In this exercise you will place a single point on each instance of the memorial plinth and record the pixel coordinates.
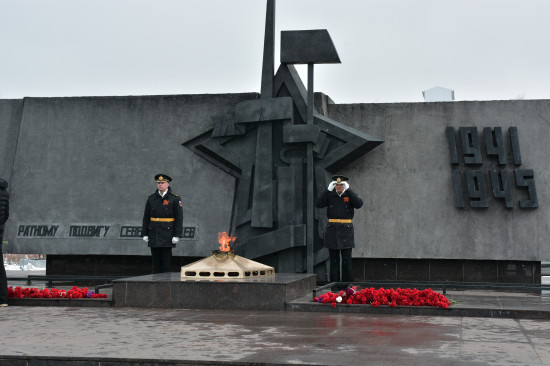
(169, 290)
(225, 264)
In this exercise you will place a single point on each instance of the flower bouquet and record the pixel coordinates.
(73, 293)
(382, 296)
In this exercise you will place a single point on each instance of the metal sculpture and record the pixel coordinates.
(282, 151)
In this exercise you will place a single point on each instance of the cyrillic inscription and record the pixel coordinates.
(37, 231)
(88, 231)
(130, 231)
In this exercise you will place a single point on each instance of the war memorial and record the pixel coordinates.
(453, 191)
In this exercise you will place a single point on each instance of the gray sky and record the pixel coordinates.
(391, 50)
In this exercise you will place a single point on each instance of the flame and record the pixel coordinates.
(224, 241)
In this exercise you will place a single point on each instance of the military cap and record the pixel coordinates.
(162, 178)
(339, 179)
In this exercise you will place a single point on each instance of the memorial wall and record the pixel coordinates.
(426, 197)
(84, 168)
(456, 186)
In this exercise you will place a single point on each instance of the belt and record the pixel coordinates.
(170, 219)
(341, 221)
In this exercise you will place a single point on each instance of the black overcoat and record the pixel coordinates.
(4, 205)
(161, 233)
(339, 235)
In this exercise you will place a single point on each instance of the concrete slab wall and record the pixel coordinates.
(83, 168)
(10, 118)
(410, 209)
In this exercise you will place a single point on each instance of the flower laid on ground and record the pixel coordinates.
(389, 297)
(73, 293)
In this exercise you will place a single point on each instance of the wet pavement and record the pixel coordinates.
(109, 335)
(267, 337)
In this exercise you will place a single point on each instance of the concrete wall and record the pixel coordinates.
(10, 117)
(89, 162)
(410, 209)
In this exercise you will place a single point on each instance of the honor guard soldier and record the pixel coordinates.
(341, 202)
(162, 223)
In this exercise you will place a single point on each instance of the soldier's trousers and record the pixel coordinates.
(347, 269)
(3, 279)
(162, 259)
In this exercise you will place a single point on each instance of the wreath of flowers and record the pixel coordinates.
(73, 293)
(389, 297)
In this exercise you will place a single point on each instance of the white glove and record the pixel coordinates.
(175, 240)
(331, 185)
(146, 239)
(346, 186)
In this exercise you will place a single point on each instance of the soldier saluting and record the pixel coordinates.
(162, 223)
(340, 201)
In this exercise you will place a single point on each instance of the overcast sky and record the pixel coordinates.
(391, 50)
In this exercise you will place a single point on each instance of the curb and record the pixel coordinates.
(60, 302)
(420, 311)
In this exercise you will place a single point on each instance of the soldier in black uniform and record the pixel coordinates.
(340, 201)
(162, 223)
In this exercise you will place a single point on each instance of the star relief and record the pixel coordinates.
(281, 150)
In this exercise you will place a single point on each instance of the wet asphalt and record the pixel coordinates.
(267, 337)
(149, 336)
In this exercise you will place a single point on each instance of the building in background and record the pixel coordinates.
(438, 94)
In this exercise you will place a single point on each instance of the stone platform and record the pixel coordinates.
(169, 290)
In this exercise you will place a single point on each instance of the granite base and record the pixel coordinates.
(169, 290)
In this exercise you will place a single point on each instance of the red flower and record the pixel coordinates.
(390, 297)
(73, 293)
